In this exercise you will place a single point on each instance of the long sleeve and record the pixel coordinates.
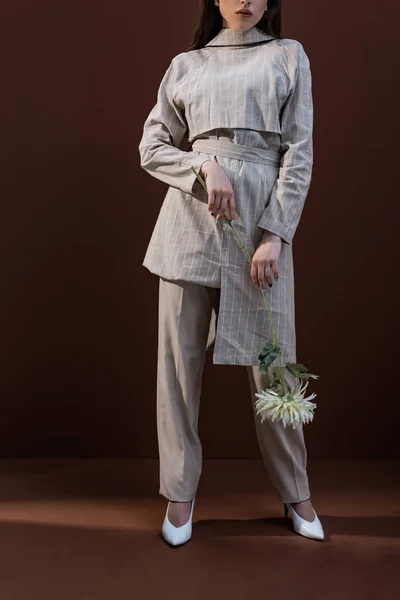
(163, 132)
(282, 215)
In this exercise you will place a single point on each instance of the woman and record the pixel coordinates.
(242, 96)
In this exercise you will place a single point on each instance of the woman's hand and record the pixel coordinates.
(219, 188)
(265, 260)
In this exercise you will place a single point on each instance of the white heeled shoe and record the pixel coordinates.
(311, 529)
(177, 535)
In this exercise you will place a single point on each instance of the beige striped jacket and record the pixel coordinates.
(248, 89)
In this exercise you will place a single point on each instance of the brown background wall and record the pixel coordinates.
(78, 311)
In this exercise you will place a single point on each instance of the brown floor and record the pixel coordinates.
(90, 530)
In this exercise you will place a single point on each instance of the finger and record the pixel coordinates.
(232, 208)
(275, 269)
(261, 276)
(215, 206)
(253, 274)
(211, 200)
(223, 207)
(267, 274)
(220, 212)
(217, 203)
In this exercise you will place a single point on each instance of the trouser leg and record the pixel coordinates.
(283, 450)
(184, 317)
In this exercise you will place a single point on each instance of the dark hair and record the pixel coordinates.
(210, 22)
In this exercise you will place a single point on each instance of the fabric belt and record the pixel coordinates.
(238, 151)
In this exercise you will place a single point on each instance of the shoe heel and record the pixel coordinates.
(286, 510)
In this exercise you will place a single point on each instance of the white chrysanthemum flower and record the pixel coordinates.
(292, 408)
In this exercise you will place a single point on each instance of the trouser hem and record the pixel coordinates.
(173, 498)
(293, 500)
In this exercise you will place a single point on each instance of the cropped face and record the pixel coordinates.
(253, 10)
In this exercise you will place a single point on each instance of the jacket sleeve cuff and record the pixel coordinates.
(273, 219)
(192, 182)
(283, 237)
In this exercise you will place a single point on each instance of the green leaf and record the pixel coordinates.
(269, 352)
(300, 371)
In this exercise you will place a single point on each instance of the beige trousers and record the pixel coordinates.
(184, 317)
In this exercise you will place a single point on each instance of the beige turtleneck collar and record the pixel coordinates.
(239, 37)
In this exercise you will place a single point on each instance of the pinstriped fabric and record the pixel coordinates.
(248, 89)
